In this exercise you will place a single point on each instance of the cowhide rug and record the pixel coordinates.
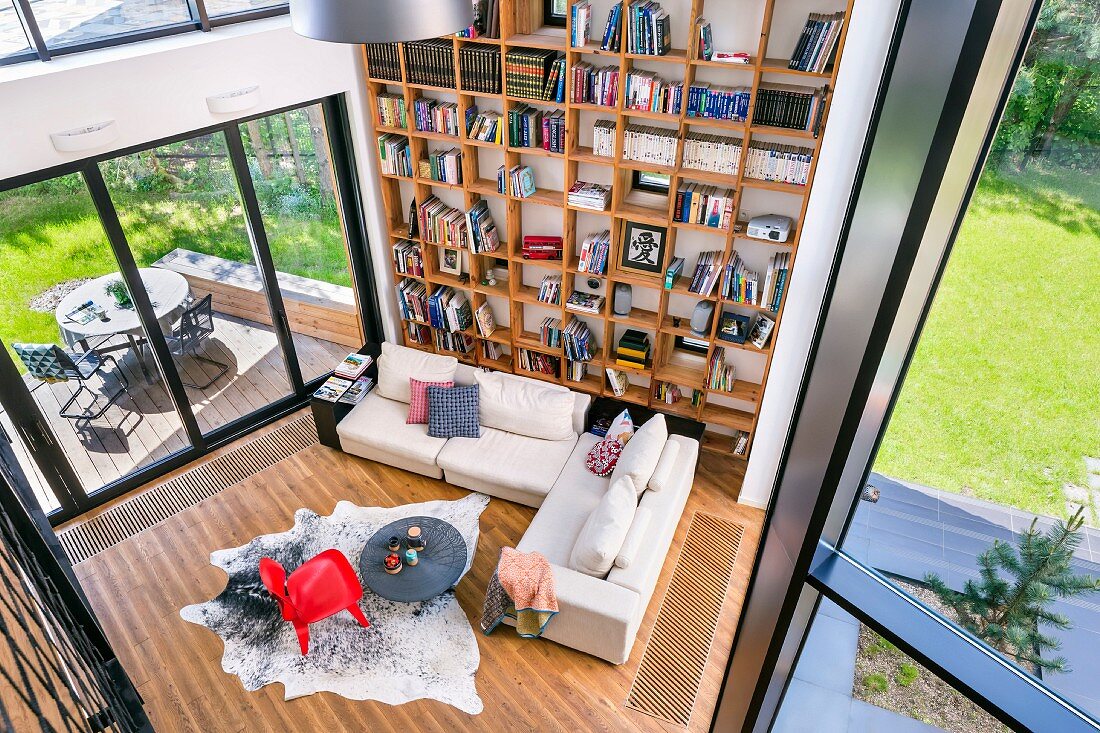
(411, 650)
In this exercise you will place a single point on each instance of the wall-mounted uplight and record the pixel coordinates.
(379, 21)
(84, 138)
(237, 100)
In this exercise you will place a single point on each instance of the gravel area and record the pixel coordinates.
(880, 666)
(47, 300)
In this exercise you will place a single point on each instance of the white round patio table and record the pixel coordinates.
(168, 291)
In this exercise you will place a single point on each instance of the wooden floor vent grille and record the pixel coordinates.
(671, 671)
(82, 541)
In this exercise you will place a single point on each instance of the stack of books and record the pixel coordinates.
(479, 66)
(353, 366)
(441, 224)
(739, 283)
(460, 343)
(433, 116)
(581, 23)
(482, 229)
(550, 332)
(789, 107)
(577, 340)
(595, 84)
(550, 290)
(412, 296)
(585, 195)
(603, 138)
(612, 32)
(650, 93)
(817, 44)
(383, 61)
(535, 73)
(718, 102)
(702, 204)
(449, 310)
(486, 126)
(720, 375)
(740, 443)
(594, 251)
(781, 163)
(407, 258)
(393, 153)
(712, 153)
(391, 110)
(775, 281)
(633, 349)
(431, 63)
(486, 323)
(581, 302)
(444, 165)
(646, 144)
(534, 361)
(648, 29)
(708, 268)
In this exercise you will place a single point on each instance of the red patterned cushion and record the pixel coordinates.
(604, 455)
(418, 400)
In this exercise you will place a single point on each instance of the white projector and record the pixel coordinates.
(773, 227)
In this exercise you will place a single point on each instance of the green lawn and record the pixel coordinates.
(1002, 400)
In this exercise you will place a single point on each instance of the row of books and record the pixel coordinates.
(582, 302)
(550, 332)
(789, 107)
(430, 62)
(603, 138)
(484, 236)
(708, 270)
(648, 28)
(780, 163)
(617, 381)
(675, 267)
(670, 394)
(458, 343)
(341, 389)
(714, 153)
(412, 297)
(577, 342)
(817, 44)
(650, 93)
(529, 127)
(408, 259)
(480, 68)
(534, 73)
(431, 115)
(595, 84)
(534, 361)
(441, 224)
(418, 333)
(393, 154)
(553, 132)
(383, 61)
(550, 290)
(491, 350)
(594, 252)
(718, 102)
(720, 375)
(486, 126)
(742, 285)
(740, 443)
(646, 144)
(443, 165)
(575, 370)
(633, 349)
(706, 205)
(518, 181)
(449, 309)
(391, 110)
(593, 196)
(486, 20)
(581, 23)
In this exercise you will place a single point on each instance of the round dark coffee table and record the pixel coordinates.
(441, 563)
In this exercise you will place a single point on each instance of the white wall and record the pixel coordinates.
(158, 88)
(856, 86)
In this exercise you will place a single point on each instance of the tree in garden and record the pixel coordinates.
(1009, 604)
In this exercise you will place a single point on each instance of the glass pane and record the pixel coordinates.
(288, 155)
(225, 7)
(54, 259)
(996, 423)
(182, 214)
(13, 38)
(67, 23)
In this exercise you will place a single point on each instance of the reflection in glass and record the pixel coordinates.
(13, 37)
(225, 7)
(65, 23)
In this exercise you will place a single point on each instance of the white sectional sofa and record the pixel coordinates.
(604, 580)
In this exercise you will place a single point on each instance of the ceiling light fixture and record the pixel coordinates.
(84, 138)
(379, 21)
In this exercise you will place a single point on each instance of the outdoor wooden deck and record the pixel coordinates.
(143, 427)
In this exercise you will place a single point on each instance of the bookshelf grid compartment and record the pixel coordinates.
(517, 298)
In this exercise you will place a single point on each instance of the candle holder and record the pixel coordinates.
(392, 563)
(394, 544)
(414, 538)
(411, 557)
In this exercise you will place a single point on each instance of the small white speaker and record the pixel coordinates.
(620, 304)
(701, 317)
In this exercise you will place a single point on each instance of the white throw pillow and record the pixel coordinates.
(525, 406)
(662, 475)
(641, 454)
(604, 531)
(398, 363)
(633, 542)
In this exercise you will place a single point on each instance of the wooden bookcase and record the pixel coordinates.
(513, 299)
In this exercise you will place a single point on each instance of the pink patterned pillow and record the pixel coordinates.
(418, 400)
(604, 455)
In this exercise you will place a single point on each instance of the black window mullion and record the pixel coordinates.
(197, 8)
(30, 25)
(261, 251)
(128, 268)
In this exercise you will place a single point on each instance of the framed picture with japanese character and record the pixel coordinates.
(642, 249)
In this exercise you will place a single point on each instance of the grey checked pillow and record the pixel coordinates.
(453, 412)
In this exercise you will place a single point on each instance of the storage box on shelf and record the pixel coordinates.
(717, 152)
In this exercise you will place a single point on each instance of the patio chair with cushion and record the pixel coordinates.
(51, 363)
(189, 336)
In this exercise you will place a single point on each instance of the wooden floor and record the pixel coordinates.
(138, 587)
(144, 427)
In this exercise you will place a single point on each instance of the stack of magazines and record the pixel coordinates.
(592, 196)
(348, 391)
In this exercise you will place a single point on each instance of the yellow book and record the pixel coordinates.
(627, 351)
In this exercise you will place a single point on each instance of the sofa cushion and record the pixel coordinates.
(622, 428)
(641, 454)
(605, 530)
(453, 412)
(601, 460)
(525, 407)
(380, 423)
(500, 458)
(398, 363)
(418, 399)
(632, 545)
(663, 473)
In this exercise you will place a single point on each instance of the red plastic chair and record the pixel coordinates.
(320, 588)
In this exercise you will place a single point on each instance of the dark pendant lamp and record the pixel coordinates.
(379, 21)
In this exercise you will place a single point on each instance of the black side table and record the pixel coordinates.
(441, 561)
(328, 414)
(609, 407)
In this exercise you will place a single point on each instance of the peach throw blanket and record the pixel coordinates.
(522, 588)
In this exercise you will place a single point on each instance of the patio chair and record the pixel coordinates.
(190, 334)
(51, 363)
